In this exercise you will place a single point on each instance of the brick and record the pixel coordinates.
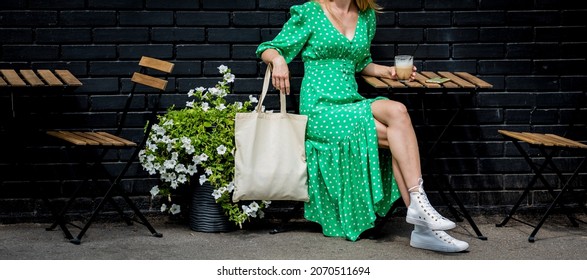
(116, 4)
(573, 83)
(450, 5)
(16, 35)
(505, 67)
(532, 50)
(540, 83)
(559, 33)
(400, 5)
(28, 18)
(187, 68)
(450, 65)
(30, 52)
(238, 68)
(229, 35)
(385, 19)
(211, 51)
(172, 4)
(452, 35)
(116, 68)
(533, 18)
(506, 34)
(98, 85)
(57, 4)
(121, 35)
(561, 67)
(572, 50)
(215, 19)
(258, 19)
(232, 5)
(88, 52)
(177, 35)
(63, 35)
(161, 51)
(505, 100)
(15, 4)
(506, 5)
(87, 18)
(478, 51)
(568, 99)
(424, 19)
(573, 17)
(478, 18)
(278, 4)
(399, 35)
(78, 68)
(132, 18)
(244, 51)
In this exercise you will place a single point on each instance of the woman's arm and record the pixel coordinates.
(280, 70)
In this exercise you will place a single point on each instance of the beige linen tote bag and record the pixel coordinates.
(270, 155)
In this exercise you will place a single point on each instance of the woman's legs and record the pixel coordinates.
(395, 130)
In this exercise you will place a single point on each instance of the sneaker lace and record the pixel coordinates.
(426, 203)
(444, 236)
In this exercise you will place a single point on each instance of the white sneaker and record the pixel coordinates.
(436, 240)
(420, 212)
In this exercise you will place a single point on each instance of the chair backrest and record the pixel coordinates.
(141, 77)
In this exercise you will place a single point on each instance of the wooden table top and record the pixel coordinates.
(458, 81)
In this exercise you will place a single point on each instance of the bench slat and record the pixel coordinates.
(374, 82)
(156, 64)
(422, 80)
(149, 81)
(116, 138)
(393, 83)
(68, 78)
(49, 77)
(3, 83)
(12, 78)
(431, 75)
(31, 78)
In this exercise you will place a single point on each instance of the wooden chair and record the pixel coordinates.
(100, 142)
(549, 146)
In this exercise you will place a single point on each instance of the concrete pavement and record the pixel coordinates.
(557, 240)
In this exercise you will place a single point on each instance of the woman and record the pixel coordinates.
(350, 181)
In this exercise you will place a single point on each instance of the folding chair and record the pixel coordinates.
(549, 145)
(100, 143)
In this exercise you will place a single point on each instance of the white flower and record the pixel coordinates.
(253, 99)
(208, 171)
(204, 157)
(230, 187)
(229, 77)
(203, 179)
(221, 149)
(239, 105)
(174, 184)
(154, 191)
(223, 190)
(170, 163)
(216, 194)
(222, 69)
(163, 207)
(221, 107)
(254, 206)
(267, 203)
(205, 106)
(191, 93)
(189, 104)
(200, 89)
(168, 123)
(175, 209)
(180, 168)
(214, 91)
(192, 169)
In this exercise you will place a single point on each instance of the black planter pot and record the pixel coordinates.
(205, 214)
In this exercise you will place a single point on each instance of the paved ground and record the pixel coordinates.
(557, 240)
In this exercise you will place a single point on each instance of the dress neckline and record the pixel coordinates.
(336, 29)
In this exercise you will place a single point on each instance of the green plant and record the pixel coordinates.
(199, 140)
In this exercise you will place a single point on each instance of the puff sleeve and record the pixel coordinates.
(292, 37)
(366, 55)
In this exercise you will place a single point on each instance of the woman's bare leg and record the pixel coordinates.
(395, 130)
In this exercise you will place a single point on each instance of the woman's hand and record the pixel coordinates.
(280, 75)
(393, 74)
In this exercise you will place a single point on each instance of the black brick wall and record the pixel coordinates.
(532, 51)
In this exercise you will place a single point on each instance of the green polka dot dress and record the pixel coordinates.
(350, 180)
